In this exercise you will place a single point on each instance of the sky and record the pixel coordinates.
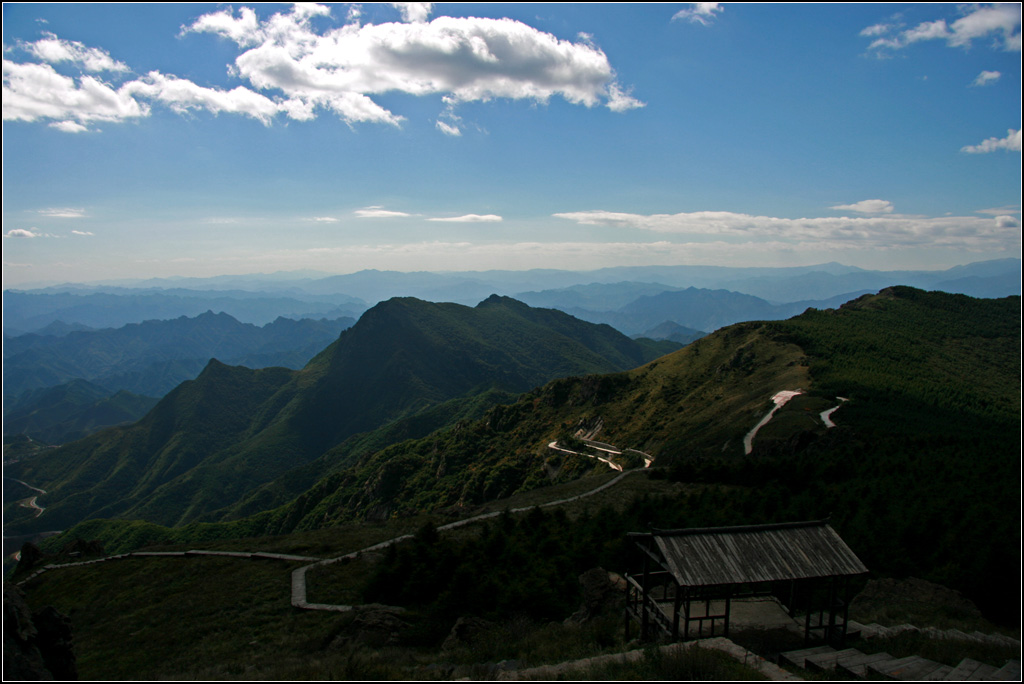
(144, 140)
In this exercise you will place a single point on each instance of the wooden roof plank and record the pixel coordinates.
(755, 553)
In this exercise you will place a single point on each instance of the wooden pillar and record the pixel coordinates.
(675, 613)
(846, 607)
(728, 610)
(810, 609)
(686, 608)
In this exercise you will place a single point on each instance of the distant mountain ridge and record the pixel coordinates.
(260, 298)
(211, 441)
(152, 357)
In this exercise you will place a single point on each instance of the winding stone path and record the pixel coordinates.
(299, 585)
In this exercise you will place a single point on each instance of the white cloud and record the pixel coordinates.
(470, 218)
(323, 219)
(861, 232)
(465, 59)
(297, 70)
(877, 30)
(929, 30)
(449, 129)
(986, 77)
(53, 50)
(999, 211)
(182, 95)
(379, 212)
(699, 12)
(69, 127)
(1000, 23)
(414, 11)
(62, 213)
(1011, 143)
(82, 232)
(20, 233)
(36, 91)
(872, 206)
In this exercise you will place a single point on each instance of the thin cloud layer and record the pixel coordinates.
(470, 218)
(53, 50)
(379, 212)
(999, 24)
(297, 71)
(970, 233)
(871, 206)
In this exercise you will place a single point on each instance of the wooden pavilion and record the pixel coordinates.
(690, 577)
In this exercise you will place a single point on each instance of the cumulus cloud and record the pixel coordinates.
(1011, 143)
(414, 11)
(379, 212)
(871, 206)
(296, 70)
(998, 23)
(470, 218)
(699, 13)
(465, 59)
(986, 77)
(20, 233)
(862, 232)
(82, 232)
(182, 96)
(37, 91)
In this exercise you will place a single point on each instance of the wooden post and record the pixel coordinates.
(643, 602)
(830, 636)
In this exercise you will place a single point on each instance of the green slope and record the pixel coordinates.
(921, 474)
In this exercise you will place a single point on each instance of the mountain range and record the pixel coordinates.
(212, 441)
(261, 298)
(917, 463)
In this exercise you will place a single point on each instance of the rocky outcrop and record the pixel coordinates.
(603, 592)
(36, 645)
(465, 631)
(374, 625)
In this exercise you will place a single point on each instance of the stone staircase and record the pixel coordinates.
(855, 664)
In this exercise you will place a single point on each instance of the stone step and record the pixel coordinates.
(798, 658)
(967, 669)
(939, 674)
(1009, 672)
(856, 666)
(905, 669)
(826, 662)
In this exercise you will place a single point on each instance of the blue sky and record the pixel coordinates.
(206, 139)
